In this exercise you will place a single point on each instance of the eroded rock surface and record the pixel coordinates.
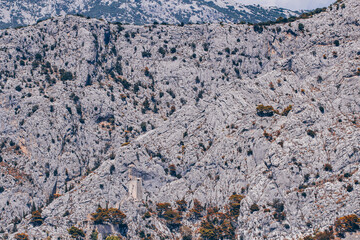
(83, 101)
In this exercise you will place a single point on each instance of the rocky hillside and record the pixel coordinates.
(213, 131)
(19, 13)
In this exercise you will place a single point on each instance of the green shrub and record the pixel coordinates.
(18, 88)
(254, 208)
(328, 167)
(36, 219)
(311, 133)
(162, 51)
(94, 235)
(21, 236)
(197, 210)
(112, 169)
(147, 215)
(171, 93)
(76, 232)
(217, 226)
(143, 126)
(146, 54)
(265, 111)
(286, 111)
(234, 205)
(111, 215)
(349, 223)
(112, 238)
(301, 27)
(206, 46)
(162, 207)
(182, 205)
(34, 108)
(173, 218)
(172, 170)
(66, 76)
(258, 28)
(349, 188)
(279, 213)
(35, 64)
(326, 235)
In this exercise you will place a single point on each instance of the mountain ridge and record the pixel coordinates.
(13, 13)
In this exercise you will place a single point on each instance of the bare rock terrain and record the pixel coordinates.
(199, 113)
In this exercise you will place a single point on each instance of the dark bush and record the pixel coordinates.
(161, 208)
(234, 205)
(197, 210)
(349, 188)
(18, 88)
(171, 93)
(34, 108)
(107, 37)
(36, 219)
(125, 83)
(38, 57)
(258, 28)
(326, 235)
(172, 170)
(349, 223)
(311, 133)
(328, 167)
(111, 215)
(112, 169)
(182, 205)
(265, 111)
(254, 207)
(66, 76)
(301, 27)
(143, 126)
(21, 236)
(146, 53)
(35, 64)
(162, 51)
(206, 46)
(76, 232)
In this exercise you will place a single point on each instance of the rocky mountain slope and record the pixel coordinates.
(233, 131)
(19, 13)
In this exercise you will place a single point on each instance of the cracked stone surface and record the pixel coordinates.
(82, 100)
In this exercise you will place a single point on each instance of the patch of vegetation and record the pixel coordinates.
(21, 236)
(311, 133)
(36, 219)
(328, 167)
(111, 215)
(269, 111)
(65, 76)
(76, 232)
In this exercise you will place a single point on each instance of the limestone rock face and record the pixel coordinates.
(187, 110)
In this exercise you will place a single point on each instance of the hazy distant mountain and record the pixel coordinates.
(15, 13)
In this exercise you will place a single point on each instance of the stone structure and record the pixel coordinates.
(135, 185)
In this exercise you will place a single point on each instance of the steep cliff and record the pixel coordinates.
(259, 121)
